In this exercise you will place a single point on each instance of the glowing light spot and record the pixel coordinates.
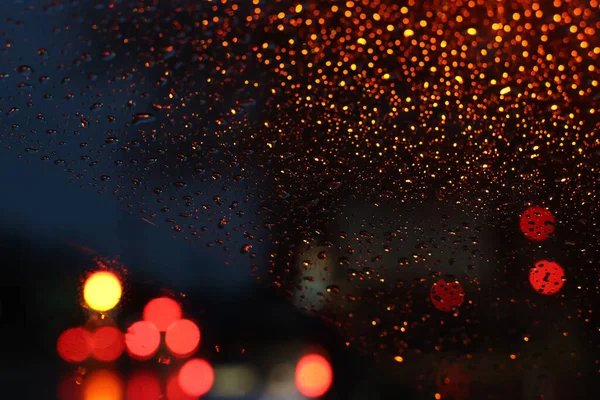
(143, 385)
(446, 296)
(162, 312)
(399, 359)
(108, 343)
(74, 345)
(547, 277)
(313, 375)
(537, 223)
(174, 390)
(142, 340)
(235, 381)
(505, 90)
(103, 385)
(183, 338)
(102, 291)
(409, 33)
(196, 377)
(472, 31)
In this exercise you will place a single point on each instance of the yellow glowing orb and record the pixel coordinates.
(102, 291)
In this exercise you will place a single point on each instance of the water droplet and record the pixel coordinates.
(25, 70)
(107, 55)
(142, 118)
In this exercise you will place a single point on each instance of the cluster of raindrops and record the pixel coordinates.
(468, 98)
(359, 155)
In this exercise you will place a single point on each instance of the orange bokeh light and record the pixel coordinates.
(537, 223)
(196, 377)
(183, 338)
(143, 385)
(74, 345)
(547, 277)
(313, 375)
(142, 340)
(103, 385)
(162, 312)
(108, 343)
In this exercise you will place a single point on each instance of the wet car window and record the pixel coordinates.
(275, 199)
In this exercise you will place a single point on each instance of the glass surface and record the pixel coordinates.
(405, 192)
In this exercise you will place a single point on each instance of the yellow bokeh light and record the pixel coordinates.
(102, 291)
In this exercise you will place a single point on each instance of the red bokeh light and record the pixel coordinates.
(174, 390)
(142, 340)
(537, 223)
(162, 312)
(547, 277)
(183, 338)
(445, 296)
(196, 377)
(74, 345)
(143, 385)
(313, 375)
(108, 343)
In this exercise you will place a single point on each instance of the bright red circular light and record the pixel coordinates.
(313, 375)
(162, 312)
(74, 345)
(183, 338)
(174, 390)
(537, 223)
(547, 277)
(196, 377)
(108, 343)
(143, 385)
(142, 340)
(445, 296)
